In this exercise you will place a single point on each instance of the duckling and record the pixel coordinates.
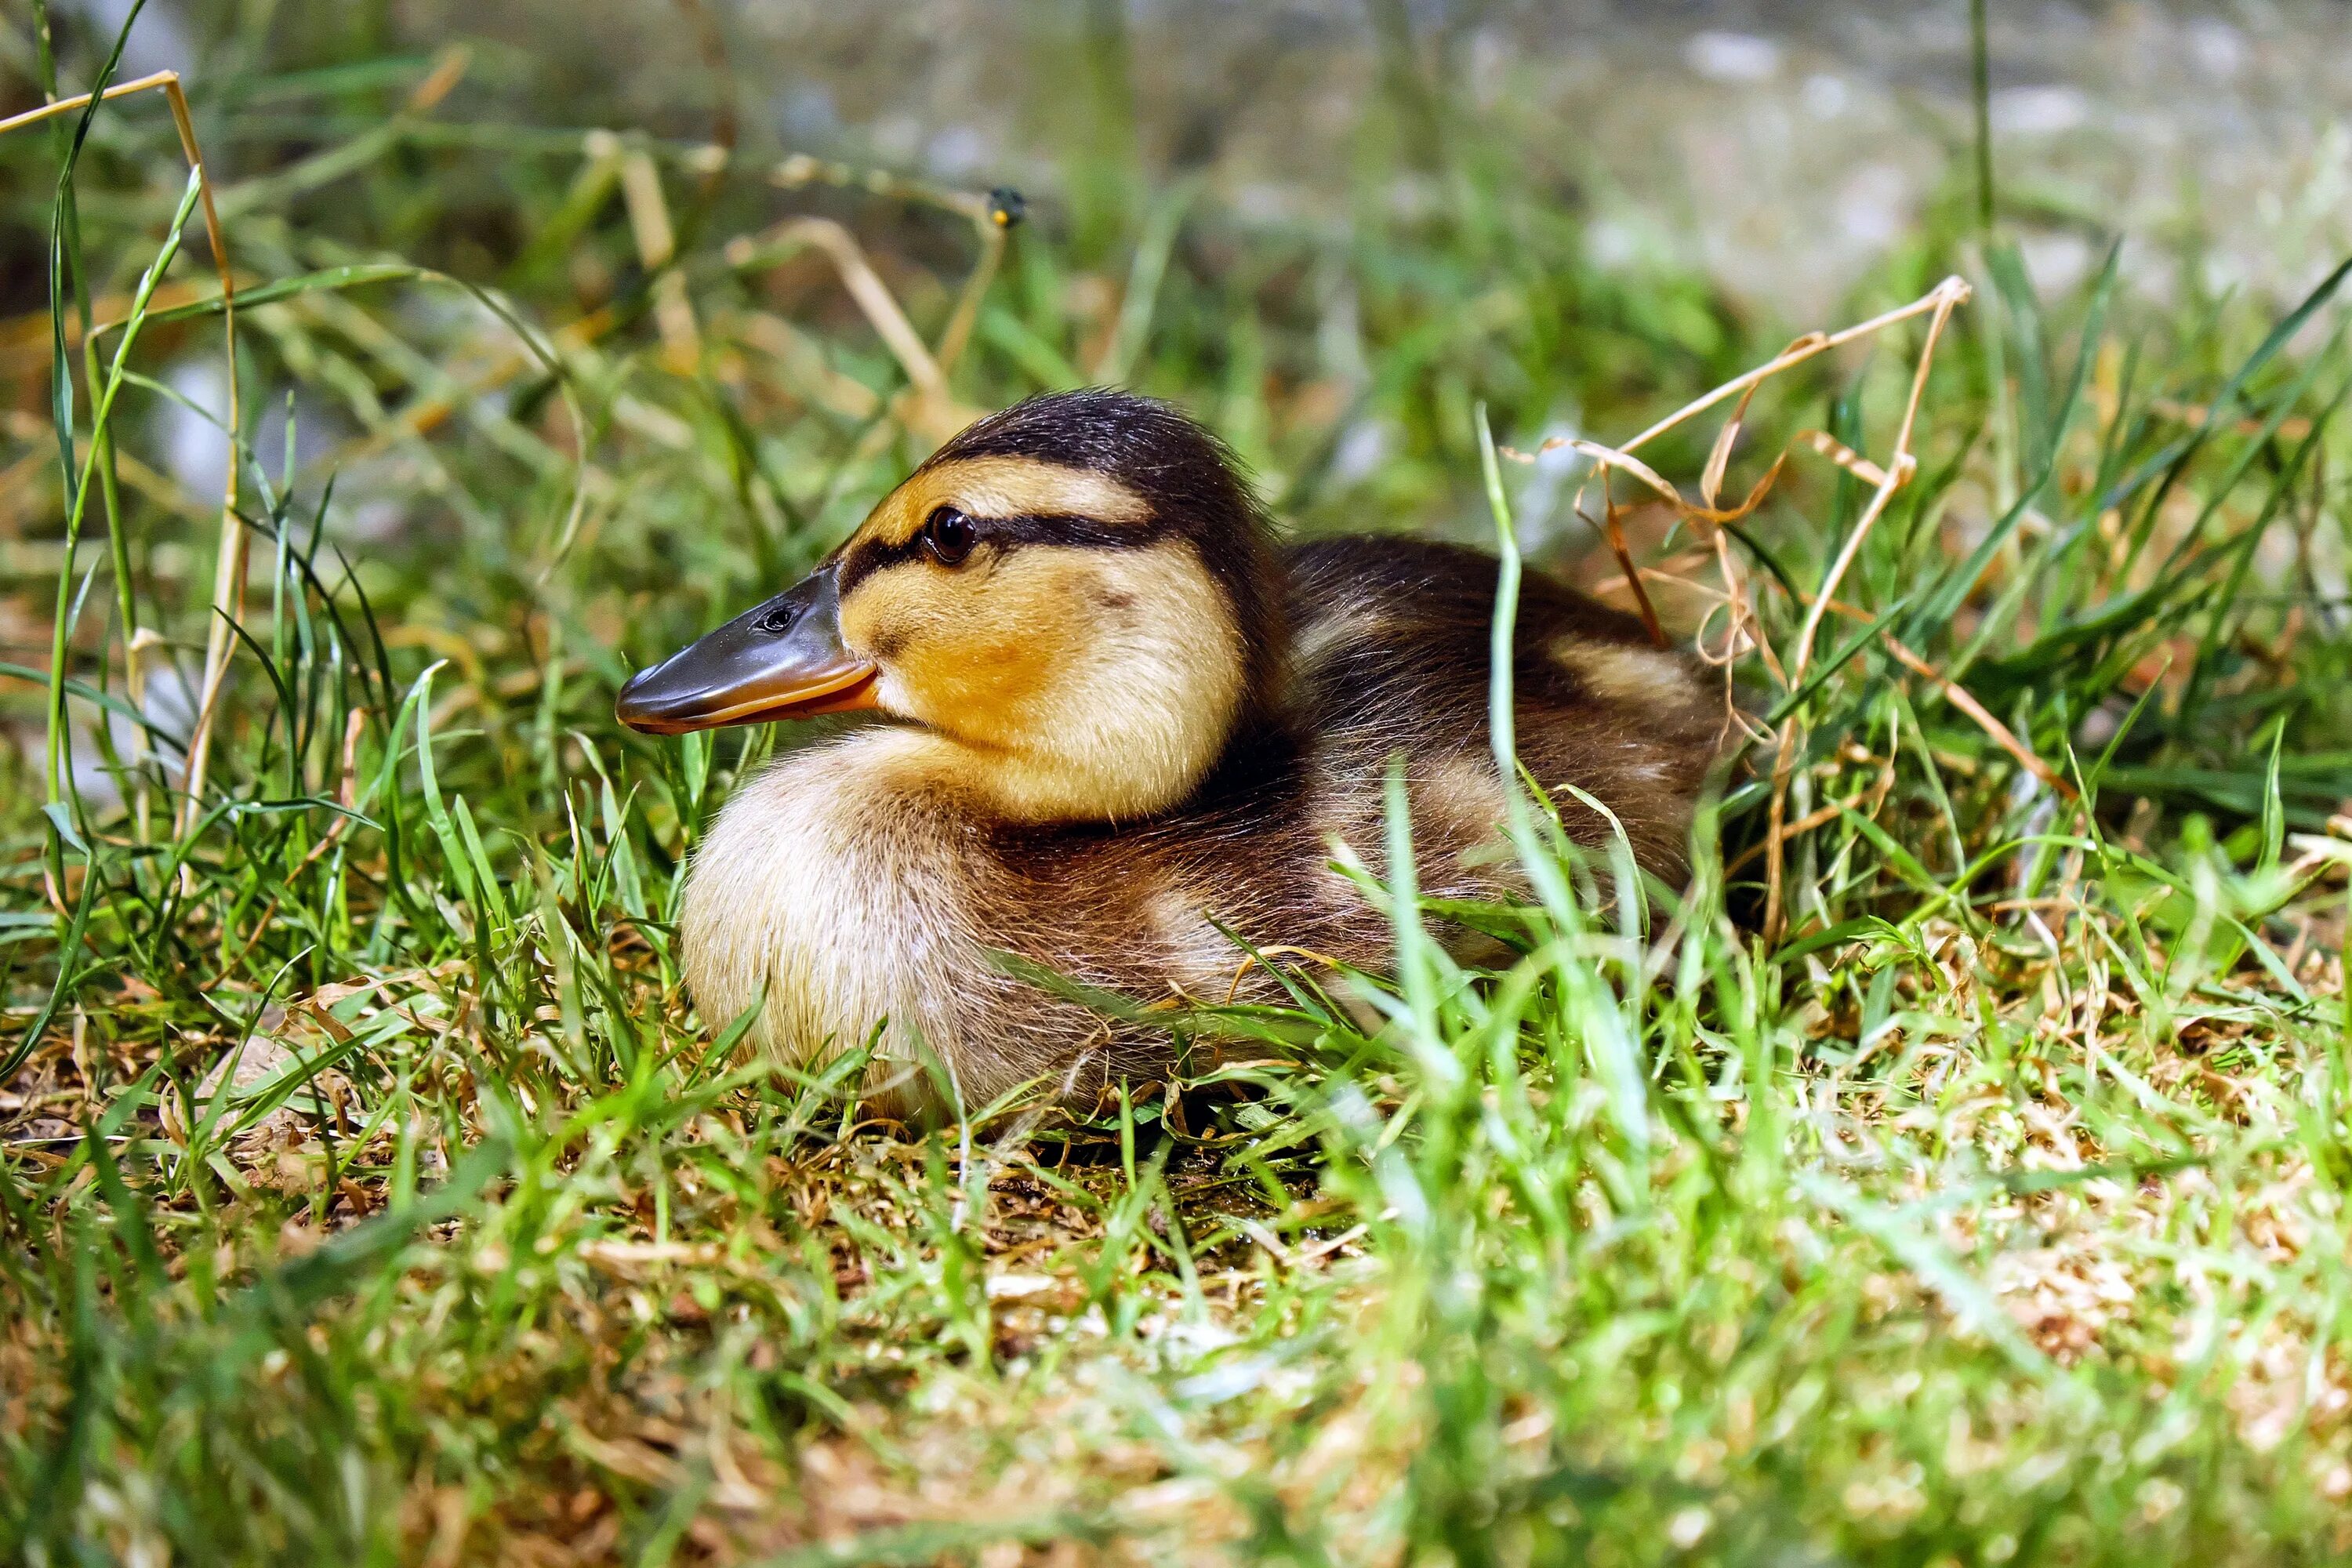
(1116, 716)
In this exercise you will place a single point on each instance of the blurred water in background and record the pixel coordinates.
(1783, 148)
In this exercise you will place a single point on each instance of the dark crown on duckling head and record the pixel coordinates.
(1191, 480)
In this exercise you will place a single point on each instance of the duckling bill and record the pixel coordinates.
(1117, 715)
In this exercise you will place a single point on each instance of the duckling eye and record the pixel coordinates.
(949, 535)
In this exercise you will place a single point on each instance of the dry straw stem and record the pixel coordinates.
(228, 575)
(992, 219)
(657, 240)
(864, 285)
(1938, 304)
(24, 344)
(925, 407)
(1899, 468)
(1959, 697)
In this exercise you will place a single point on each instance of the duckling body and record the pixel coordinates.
(1220, 713)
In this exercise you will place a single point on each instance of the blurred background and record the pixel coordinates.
(1782, 150)
(1331, 228)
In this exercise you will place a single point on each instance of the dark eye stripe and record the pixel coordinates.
(869, 556)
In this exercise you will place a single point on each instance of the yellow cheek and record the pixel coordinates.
(974, 650)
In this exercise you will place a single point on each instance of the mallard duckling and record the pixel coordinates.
(1123, 714)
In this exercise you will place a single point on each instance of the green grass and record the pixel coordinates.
(1993, 1214)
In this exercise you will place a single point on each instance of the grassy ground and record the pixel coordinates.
(1972, 1194)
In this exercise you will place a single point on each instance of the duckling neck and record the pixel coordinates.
(1081, 779)
(1132, 739)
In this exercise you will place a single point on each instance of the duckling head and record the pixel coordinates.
(1076, 596)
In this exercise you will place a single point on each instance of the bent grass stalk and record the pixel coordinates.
(101, 411)
(228, 575)
(1938, 304)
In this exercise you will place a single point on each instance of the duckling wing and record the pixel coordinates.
(1389, 658)
(1390, 653)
